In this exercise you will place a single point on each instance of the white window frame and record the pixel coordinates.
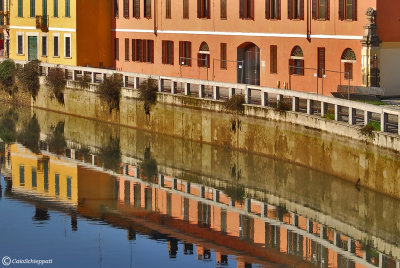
(65, 46)
(32, 34)
(23, 43)
(56, 35)
(47, 44)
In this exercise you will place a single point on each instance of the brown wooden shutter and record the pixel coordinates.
(164, 52)
(126, 8)
(133, 49)
(208, 15)
(341, 9)
(127, 49)
(171, 44)
(200, 62)
(241, 8)
(321, 61)
(273, 59)
(189, 44)
(291, 67)
(185, 9)
(290, 9)
(328, 9)
(147, 9)
(116, 47)
(199, 8)
(168, 9)
(223, 9)
(348, 68)
(315, 9)
(302, 9)
(302, 67)
(279, 9)
(251, 9)
(223, 64)
(208, 60)
(152, 50)
(354, 9)
(268, 9)
(180, 52)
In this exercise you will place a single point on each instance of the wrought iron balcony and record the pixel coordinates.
(42, 22)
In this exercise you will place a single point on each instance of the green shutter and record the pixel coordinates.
(67, 8)
(20, 8)
(32, 8)
(55, 8)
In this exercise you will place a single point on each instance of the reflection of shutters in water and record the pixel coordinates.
(252, 66)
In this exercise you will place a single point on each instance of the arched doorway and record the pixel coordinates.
(248, 65)
(348, 58)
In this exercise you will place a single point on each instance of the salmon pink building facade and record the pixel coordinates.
(317, 46)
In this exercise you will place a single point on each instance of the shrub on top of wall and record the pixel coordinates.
(55, 80)
(148, 94)
(110, 91)
(28, 77)
(8, 70)
(235, 105)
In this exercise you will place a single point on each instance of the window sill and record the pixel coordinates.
(273, 73)
(321, 19)
(273, 19)
(56, 56)
(223, 18)
(297, 19)
(247, 19)
(20, 54)
(67, 57)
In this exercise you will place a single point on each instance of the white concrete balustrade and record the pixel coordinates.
(261, 94)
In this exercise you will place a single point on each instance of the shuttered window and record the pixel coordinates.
(273, 59)
(142, 50)
(223, 56)
(126, 8)
(185, 9)
(273, 9)
(147, 9)
(116, 8)
(185, 53)
(223, 7)
(67, 44)
(32, 9)
(136, 9)
(348, 10)
(168, 52)
(20, 44)
(321, 9)
(246, 9)
(203, 9)
(321, 61)
(56, 46)
(116, 48)
(168, 9)
(20, 8)
(127, 49)
(348, 70)
(55, 13)
(296, 9)
(44, 45)
(67, 8)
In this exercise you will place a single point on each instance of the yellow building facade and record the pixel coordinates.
(70, 32)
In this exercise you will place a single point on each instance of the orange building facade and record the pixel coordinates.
(318, 46)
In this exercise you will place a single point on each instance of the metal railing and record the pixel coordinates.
(253, 94)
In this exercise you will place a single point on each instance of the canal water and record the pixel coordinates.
(82, 193)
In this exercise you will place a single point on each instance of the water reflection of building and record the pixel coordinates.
(254, 231)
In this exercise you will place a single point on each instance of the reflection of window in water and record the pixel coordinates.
(137, 199)
(69, 194)
(46, 176)
(188, 249)
(148, 199)
(57, 184)
(34, 178)
(21, 175)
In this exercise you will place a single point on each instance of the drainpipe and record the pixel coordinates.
(155, 17)
(309, 7)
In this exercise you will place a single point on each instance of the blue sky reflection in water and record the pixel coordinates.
(94, 244)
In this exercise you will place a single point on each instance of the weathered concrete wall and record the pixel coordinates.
(377, 168)
(361, 214)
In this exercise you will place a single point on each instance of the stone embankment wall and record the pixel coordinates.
(202, 120)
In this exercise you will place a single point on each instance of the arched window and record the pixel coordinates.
(296, 61)
(348, 58)
(203, 57)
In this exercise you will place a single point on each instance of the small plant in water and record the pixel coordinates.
(148, 94)
(110, 91)
(55, 80)
(28, 77)
(8, 71)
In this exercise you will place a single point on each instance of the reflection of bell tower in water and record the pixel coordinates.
(370, 52)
